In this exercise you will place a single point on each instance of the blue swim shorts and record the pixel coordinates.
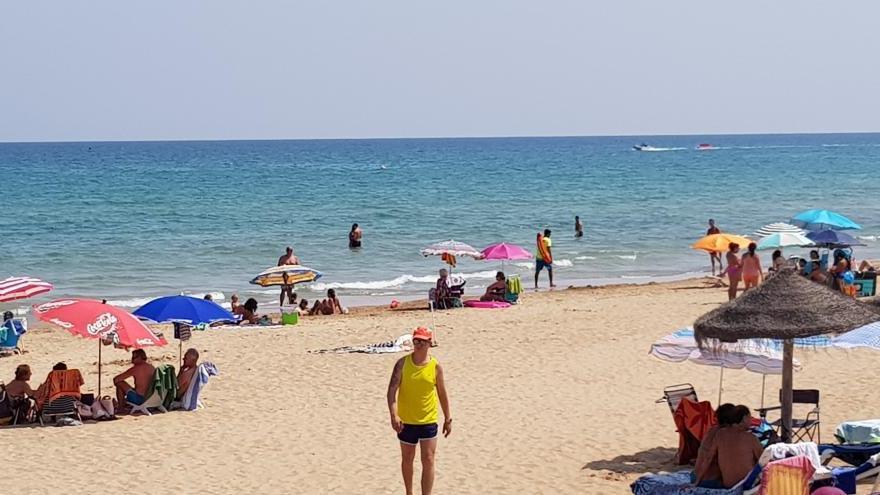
(540, 265)
(134, 397)
(413, 434)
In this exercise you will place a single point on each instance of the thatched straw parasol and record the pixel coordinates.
(786, 306)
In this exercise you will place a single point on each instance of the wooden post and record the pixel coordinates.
(787, 371)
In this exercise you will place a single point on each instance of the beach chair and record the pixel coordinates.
(806, 428)
(10, 334)
(673, 395)
(514, 289)
(61, 391)
(191, 399)
(160, 394)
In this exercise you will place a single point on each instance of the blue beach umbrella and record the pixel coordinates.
(182, 309)
(833, 238)
(823, 220)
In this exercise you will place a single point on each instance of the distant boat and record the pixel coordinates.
(705, 147)
(645, 147)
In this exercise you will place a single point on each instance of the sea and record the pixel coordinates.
(130, 221)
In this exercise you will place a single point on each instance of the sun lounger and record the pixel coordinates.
(64, 406)
(190, 400)
(681, 482)
(673, 394)
(852, 454)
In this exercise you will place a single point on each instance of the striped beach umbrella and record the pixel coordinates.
(779, 228)
(15, 288)
(286, 275)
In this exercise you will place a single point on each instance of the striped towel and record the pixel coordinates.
(190, 401)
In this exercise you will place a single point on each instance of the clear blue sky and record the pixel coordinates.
(233, 69)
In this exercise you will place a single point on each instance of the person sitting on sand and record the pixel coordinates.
(735, 448)
(142, 372)
(248, 312)
(328, 306)
(303, 308)
(817, 274)
(777, 261)
(707, 474)
(187, 371)
(497, 290)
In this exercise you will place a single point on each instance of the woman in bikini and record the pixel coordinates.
(733, 270)
(752, 274)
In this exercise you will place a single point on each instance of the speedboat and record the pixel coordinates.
(705, 147)
(645, 147)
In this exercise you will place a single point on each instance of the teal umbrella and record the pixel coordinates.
(823, 220)
(783, 240)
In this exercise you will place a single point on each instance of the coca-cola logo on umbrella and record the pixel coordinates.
(105, 322)
(49, 306)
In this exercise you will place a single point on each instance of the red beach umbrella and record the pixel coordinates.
(15, 288)
(97, 320)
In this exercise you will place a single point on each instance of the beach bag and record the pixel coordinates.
(6, 411)
(103, 408)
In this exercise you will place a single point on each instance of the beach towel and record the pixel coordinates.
(808, 450)
(679, 483)
(858, 432)
(165, 384)
(789, 476)
(400, 344)
(692, 420)
(543, 251)
(60, 383)
(190, 400)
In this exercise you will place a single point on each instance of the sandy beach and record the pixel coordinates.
(555, 395)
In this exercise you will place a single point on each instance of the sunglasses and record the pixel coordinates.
(421, 341)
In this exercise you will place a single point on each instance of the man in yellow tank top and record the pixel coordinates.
(415, 389)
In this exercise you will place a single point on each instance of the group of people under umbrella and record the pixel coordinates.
(809, 229)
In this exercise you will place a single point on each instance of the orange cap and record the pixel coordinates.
(423, 333)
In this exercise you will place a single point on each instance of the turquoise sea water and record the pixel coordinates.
(130, 221)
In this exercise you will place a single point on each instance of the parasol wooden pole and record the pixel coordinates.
(99, 368)
(787, 371)
(720, 385)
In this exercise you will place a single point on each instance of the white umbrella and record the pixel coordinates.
(452, 247)
(779, 227)
(755, 356)
(785, 239)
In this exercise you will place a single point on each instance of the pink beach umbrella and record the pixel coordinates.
(505, 252)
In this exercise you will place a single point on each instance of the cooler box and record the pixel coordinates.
(866, 284)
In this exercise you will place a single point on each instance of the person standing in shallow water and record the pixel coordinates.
(578, 227)
(714, 255)
(288, 258)
(355, 236)
(416, 387)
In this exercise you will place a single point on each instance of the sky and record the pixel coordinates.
(233, 69)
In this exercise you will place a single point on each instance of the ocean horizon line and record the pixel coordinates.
(442, 138)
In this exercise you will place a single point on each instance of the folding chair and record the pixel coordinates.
(674, 394)
(806, 428)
